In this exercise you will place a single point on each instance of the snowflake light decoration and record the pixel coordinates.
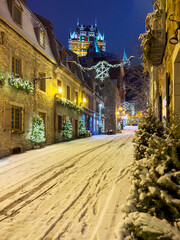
(102, 68)
(102, 71)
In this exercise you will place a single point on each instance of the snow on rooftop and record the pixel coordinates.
(29, 21)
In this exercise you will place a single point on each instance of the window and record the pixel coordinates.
(59, 83)
(82, 97)
(59, 88)
(16, 66)
(68, 92)
(17, 16)
(59, 123)
(16, 117)
(42, 39)
(42, 82)
(76, 98)
(97, 107)
(91, 103)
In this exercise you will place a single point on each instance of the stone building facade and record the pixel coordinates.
(30, 51)
(162, 58)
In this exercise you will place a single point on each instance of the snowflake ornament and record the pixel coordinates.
(102, 71)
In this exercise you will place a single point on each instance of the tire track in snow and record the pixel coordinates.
(81, 204)
(41, 185)
(68, 223)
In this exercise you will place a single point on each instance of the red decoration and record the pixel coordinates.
(86, 38)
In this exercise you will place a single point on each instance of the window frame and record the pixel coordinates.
(20, 10)
(13, 118)
(14, 66)
(59, 85)
(68, 87)
(41, 32)
(76, 97)
(42, 83)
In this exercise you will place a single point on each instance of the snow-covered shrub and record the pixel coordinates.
(101, 128)
(67, 129)
(153, 205)
(38, 132)
(82, 128)
(149, 125)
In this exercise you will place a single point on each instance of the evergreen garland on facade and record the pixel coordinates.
(82, 128)
(38, 132)
(67, 129)
(21, 84)
(69, 104)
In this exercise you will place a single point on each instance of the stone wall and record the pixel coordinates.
(32, 61)
(165, 81)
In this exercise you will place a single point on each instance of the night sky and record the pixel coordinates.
(120, 20)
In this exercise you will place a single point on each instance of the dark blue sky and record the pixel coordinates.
(121, 20)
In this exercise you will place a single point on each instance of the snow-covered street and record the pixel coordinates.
(69, 191)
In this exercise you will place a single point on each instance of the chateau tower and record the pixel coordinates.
(83, 36)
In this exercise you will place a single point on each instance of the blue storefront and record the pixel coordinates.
(92, 121)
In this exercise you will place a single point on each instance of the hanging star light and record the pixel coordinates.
(102, 68)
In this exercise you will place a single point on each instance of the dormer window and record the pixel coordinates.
(17, 15)
(42, 38)
(40, 34)
(16, 11)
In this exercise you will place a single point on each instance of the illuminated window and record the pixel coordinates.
(76, 98)
(16, 66)
(42, 39)
(42, 82)
(59, 86)
(17, 16)
(16, 118)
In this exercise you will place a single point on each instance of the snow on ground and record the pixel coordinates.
(132, 128)
(68, 191)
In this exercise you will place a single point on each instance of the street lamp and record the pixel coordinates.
(60, 90)
(36, 80)
(174, 38)
(84, 101)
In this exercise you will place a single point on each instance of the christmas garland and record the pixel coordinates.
(102, 68)
(69, 104)
(21, 84)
